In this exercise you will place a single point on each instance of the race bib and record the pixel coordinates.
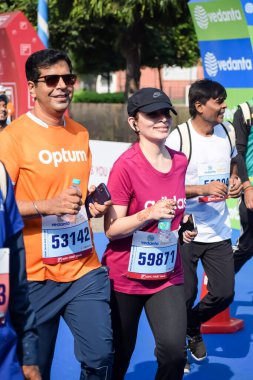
(4, 281)
(214, 172)
(64, 241)
(149, 259)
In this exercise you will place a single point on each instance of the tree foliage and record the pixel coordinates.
(107, 35)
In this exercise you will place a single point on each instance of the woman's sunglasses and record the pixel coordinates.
(53, 80)
(163, 112)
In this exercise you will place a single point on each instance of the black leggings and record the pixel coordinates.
(166, 314)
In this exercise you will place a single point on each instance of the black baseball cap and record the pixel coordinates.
(148, 100)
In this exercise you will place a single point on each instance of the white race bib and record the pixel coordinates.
(64, 241)
(214, 172)
(149, 259)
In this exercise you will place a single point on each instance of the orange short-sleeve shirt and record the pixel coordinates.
(42, 161)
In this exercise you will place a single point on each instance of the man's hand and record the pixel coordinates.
(216, 188)
(69, 201)
(31, 372)
(235, 187)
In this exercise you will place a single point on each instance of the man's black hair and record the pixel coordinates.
(43, 59)
(203, 90)
(4, 98)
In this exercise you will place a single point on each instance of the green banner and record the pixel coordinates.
(216, 20)
(234, 213)
(225, 33)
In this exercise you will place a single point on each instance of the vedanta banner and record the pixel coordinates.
(225, 33)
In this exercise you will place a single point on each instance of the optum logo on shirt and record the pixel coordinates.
(47, 157)
(213, 65)
(203, 18)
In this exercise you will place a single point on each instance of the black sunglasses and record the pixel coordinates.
(164, 112)
(53, 80)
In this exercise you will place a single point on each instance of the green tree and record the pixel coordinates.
(150, 32)
(107, 35)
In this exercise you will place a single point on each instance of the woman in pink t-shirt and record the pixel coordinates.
(147, 185)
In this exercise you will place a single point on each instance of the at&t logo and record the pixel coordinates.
(203, 18)
(213, 65)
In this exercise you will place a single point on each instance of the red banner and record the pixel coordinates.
(18, 40)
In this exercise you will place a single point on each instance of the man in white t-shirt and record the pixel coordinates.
(210, 179)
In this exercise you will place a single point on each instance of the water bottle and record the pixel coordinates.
(164, 228)
(69, 217)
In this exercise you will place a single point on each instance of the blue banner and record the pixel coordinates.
(229, 62)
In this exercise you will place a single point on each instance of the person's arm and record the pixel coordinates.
(242, 133)
(214, 188)
(69, 201)
(21, 313)
(118, 225)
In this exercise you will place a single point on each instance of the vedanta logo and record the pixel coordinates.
(47, 157)
(213, 66)
(248, 8)
(203, 18)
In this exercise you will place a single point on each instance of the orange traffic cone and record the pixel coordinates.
(221, 323)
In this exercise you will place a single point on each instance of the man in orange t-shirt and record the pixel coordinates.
(44, 151)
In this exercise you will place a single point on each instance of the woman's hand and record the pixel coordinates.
(162, 209)
(97, 210)
(187, 234)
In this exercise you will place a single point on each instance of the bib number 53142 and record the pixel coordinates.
(65, 239)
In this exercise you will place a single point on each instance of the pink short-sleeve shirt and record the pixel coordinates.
(135, 183)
